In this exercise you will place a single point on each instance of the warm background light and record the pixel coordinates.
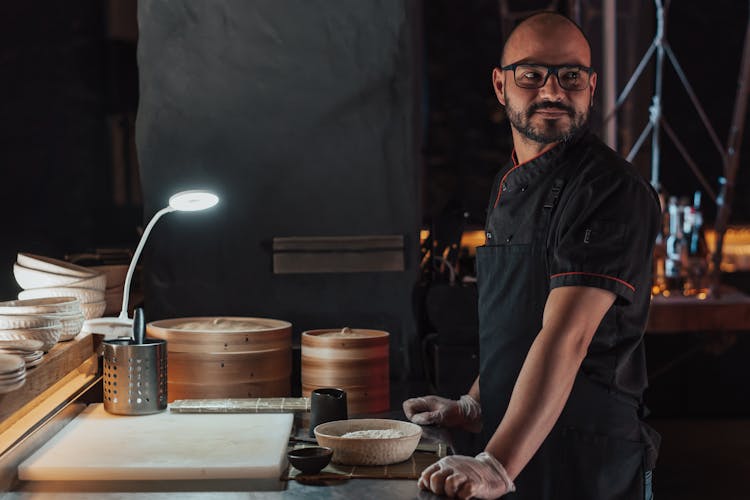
(736, 248)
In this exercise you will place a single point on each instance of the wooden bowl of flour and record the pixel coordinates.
(369, 441)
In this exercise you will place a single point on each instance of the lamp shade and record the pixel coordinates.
(193, 200)
(184, 201)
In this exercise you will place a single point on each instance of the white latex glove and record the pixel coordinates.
(434, 410)
(457, 476)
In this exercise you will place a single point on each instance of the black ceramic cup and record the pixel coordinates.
(326, 405)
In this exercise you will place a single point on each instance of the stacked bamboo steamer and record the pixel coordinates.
(226, 357)
(355, 360)
(42, 277)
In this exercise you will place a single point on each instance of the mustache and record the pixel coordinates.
(549, 105)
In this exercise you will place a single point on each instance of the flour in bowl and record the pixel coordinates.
(375, 434)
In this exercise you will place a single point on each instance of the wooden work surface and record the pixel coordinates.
(678, 314)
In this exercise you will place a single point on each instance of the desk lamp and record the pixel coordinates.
(184, 201)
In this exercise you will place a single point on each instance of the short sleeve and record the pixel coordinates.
(604, 236)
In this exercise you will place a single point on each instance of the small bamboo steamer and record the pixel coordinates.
(355, 360)
(207, 360)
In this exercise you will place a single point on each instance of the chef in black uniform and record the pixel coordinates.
(564, 288)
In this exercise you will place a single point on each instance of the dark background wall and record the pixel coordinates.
(301, 116)
(69, 93)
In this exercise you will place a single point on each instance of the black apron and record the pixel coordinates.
(595, 450)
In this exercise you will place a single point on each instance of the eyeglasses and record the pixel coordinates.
(534, 76)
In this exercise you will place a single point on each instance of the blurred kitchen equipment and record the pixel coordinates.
(226, 357)
(326, 405)
(369, 450)
(355, 360)
(135, 373)
(115, 274)
(184, 201)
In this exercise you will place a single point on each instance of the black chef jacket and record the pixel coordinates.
(601, 234)
(577, 215)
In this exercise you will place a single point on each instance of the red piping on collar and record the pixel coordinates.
(515, 166)
(598, 276)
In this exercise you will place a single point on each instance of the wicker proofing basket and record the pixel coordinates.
(368, 451)
(357, 363)
(206, 361)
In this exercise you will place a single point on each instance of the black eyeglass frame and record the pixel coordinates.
(551, 70)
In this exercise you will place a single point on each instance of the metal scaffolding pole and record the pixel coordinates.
(609, 35)
(731, 159)
(656, 102)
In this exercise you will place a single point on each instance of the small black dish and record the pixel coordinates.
(310, 460)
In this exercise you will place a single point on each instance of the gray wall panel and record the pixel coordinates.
(300, 114)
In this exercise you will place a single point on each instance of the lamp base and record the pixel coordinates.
(110, 327)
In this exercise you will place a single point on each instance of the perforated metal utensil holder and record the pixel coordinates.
(135, 376)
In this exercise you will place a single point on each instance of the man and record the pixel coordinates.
(564, 289)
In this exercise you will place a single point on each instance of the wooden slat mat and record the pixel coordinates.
(410, 469)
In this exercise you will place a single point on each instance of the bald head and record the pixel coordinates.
(533, 38)
(543, 109)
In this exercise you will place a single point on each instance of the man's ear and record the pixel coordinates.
(593, 85)
(498, 84)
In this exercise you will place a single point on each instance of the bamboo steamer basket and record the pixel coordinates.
(226, 357)
(355, 360)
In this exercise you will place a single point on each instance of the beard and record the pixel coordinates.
(550, 130)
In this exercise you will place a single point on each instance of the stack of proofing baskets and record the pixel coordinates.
(42, 277)
(355, 360)
(226, 357)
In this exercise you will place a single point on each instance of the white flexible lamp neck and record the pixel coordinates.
(134, 260)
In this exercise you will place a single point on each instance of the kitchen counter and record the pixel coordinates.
(395, 489)
(199, 489)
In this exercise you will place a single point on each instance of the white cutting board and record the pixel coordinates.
(99, 446)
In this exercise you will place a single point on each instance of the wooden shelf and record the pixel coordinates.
(64, 361)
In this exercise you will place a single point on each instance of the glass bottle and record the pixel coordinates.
(675, 247)
(696, 265)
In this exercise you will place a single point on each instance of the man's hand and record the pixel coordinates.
(457, 476)
(434, 410)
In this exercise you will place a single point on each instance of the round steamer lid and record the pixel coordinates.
(348, 333)
(10, 363)
(220, 324)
